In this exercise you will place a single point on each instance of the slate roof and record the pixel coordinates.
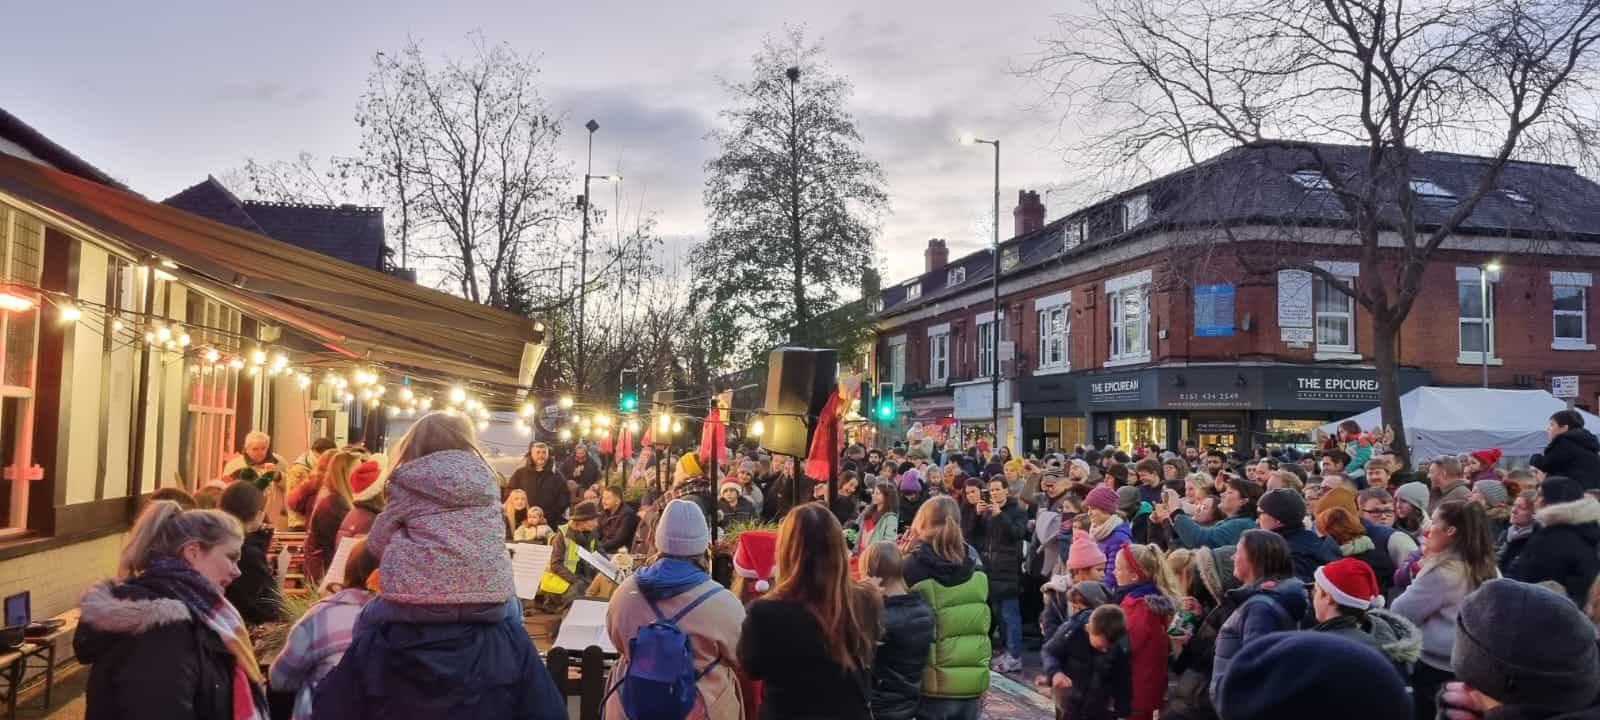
(14, 129)
(350, 233)
(1255, 184)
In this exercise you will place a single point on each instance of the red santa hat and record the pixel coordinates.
(1351, 583)
(757, 557)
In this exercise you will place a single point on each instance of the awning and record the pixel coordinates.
(376, 316)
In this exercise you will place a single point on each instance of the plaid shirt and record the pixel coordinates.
(316, 642)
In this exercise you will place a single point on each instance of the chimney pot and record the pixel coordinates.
(937, 255)
(1029, 213)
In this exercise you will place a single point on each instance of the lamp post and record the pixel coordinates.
(583, 246)
(994, 335)
(1493, 266)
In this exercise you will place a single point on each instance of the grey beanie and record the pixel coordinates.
(1093, 591)
(1414, 493)
(1492, 490)
(1128, 499)
(1559, 672)
(682, 531)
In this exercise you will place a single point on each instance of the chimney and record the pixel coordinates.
(937, 255)
(1029, 215)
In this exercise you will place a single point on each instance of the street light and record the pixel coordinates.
(583, 242)
(994, 336)
(1493, 266)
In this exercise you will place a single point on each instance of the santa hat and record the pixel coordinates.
(1350, 583)
(1489, 457)
(757, 557)
(734, 484)
(363, 476)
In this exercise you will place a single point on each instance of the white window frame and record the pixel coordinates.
(1055, 349)
(213, 393)
(897, 362)
(1426, 188)
(939, 354)
(1580, 281)
(985, 345)
(22, 471)
(1469, 276)
(1074, 234)
(1311, 179)
(914, 289)
(1135, 211)
(956, 276)
(1010, 257)
(1118, 291)
(1348, 272)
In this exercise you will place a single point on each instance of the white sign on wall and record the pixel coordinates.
(1294, 301)
(1564, 386)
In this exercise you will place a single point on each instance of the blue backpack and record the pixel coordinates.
(660, 681)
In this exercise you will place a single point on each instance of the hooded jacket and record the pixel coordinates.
(713, 629)
(460, 662)
(902, 657)
(1120, 535)
(149, 658)
(441, 538)
(1263, 607)
(1393, 636)
(1432, 601)
(1575, 454)
(255, 592)
(1307, 550)
(1002, 548)
(1563, 548)
(958, 594)
(1147, 612)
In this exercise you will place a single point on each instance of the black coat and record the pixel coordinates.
(586, 474)
(781, 645)
(149, 659)
(1308, 551)
(1563, 548)
(545, 490)
(1575, 454)
(902, 656)
(1102, 682)
(616, 528)
(255, 592)
(1002, 548)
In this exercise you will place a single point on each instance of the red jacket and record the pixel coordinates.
(1148, 616)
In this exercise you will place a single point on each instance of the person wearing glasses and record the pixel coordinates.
(1377, 516)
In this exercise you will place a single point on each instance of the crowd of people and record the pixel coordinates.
(1188, 583)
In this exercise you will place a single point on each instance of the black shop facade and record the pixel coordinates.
(1231, 407)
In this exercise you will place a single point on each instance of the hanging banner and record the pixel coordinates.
(1294, 299)
(1213, 310)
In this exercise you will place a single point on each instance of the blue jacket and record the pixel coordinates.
(1308, 551)
(1263, 607)
(468, 662)
(1222, 534)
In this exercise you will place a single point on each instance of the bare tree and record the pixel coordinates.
(1158, 83)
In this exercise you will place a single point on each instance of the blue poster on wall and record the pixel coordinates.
(1213, 310)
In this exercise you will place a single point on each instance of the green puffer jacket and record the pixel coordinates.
(958, 664)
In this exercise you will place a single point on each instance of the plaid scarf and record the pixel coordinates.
(174, 578)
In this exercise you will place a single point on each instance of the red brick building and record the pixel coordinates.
(1165, 313)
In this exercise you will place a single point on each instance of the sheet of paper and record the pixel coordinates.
(600, 562)
(341, 558)
(528, 563)
(584, 625)
(1046, 526)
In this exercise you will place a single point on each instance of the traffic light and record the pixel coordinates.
(884, 411)
(628, 396)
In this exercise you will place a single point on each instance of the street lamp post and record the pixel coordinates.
(1483, 315)
(583, 248)
(994, 335)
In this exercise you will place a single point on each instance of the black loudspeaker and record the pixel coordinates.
(798, 383)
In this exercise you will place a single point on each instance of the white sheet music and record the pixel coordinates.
(600, 562)
(528, 563)
(584, 625)
(341, 558)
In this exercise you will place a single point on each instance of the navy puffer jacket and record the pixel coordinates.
(1264, 607)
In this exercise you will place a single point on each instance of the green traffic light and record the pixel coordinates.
(630, 403)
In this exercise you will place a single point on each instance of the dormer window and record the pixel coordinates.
(1135, 211)
(1074, 234)
(1516, 197)
(914, 289)
(956, 277)
(1311, 179)
(1009, 257)
(1423, 187)
(877, 304)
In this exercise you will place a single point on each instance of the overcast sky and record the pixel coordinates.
(160, 94)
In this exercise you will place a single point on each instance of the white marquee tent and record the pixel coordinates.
(1452, 421)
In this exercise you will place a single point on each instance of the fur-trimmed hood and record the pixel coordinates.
(112, 611)
(1577, 512)
(1399, 639)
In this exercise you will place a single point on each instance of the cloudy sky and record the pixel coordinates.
(160, 94)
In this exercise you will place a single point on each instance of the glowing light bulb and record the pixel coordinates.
(212, 355)
(566, 434)
(405, 394)
(236, 363)
(633, 426)
(259, 357)
(393, 411)
(677, 426)
(70, 314)
(757, 427)
(183, 340)
(527, 409)
(458, 395)
(116, 326)
(304, 382)
(163, 333)
(483, 425)
(566, 402)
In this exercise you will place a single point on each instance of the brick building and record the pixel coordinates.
(1166, 313)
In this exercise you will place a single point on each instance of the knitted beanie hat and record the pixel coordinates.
(1102, 498)
(1054, 473)
(910, 482)
(1082, 465)
(1414, 493)
(1094, 591)
(1084, 553)
(1493, 491)
(756, 557)
(1351, 583)
(1560, 489)
(1340, 497)
(1488, 457)
(689, 465)
(1269, 679)
(1128, 499)
(1559, 672)
(682, 530)
(1285, 506)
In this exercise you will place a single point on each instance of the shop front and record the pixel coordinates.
(974, 411)
(1052, 419)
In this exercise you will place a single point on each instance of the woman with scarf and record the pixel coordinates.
(160, 639)
(1109, 530)
(676, 578)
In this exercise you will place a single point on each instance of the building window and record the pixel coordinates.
(1476, 321)
(939, 358)
(1009, 257)
(1516, 196)
(1135, 211)
(914, 289)
(1054, 332)
(987, 345)
(21, 260)
(1311, 179)
(956, 276)
(213, 392)
(1570, 305)
(1335, 317)
(897, 362)
(877, 304)
(1425, 188)
(1074, 234)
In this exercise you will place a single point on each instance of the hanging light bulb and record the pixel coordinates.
(258, 357)
(527, 409)
(604, 420)
(427, 402)
(254, 371)
(163, 333)
(392, 411)
(183, 340)
(483, 413)
(524, 428)
(70, 314)
(279, 361)
(116, 325)
(605, 432)
(583, 432)
(757, 427)
(483, 425)
(663, 423)
(566, 434)
(366, 394)
(373, 403)
(633, 426)
(169, 345)
(236, 363)
(212, 355)
(149, 338)
(348, 397)
(458, 395)
(566, 402)
(405, 394)
(304, 382)
(677, 426)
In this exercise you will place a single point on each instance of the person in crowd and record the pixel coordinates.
(810, 640)
(1136, 512)
(298, 472)
(318, 640)
(1238, 505)
(1200, 500)
(1109, 530)
(1148, 473)
(580, 469)
(1312, 675)
(1060, 607)
(534, 528)
(1378, 475)
(1573, 452)
(1076, 600)
(172, 493)
(1147, 594)
(844, 505)
(1458, 556)
(1566, 546)
(1054, 511)
(901, 657)
(945, 571)
(1339, 521)
(1500, 674)
(1480, 465)
(366, 500)
(1357, 447)
(1003, 527)
(880, 521)
(1283, 512)
(676, 583)
(1174, 468)
(911, 493)
(1411, 509)
(618, 521)
(1096, 675)
(1495, 498)
(1271, 599)
(160, 639)
(445, 636)
(643, 472)
(589, 494)
(1347, 601)
(1518, 530)
(334, 500)
(515, 511)
(1116, 476)
(1195, 651)
(1377, 517)
(1447, 481)
(545, 487)
(303, 498)
(748, 486)
(255, 592)
(582, 530)
(732, 506)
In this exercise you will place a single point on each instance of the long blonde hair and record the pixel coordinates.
(1153, 564)
(433, 433)
(164, 528)
(813, 569)
(938, 525)
(511, 510)
(336, 481)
